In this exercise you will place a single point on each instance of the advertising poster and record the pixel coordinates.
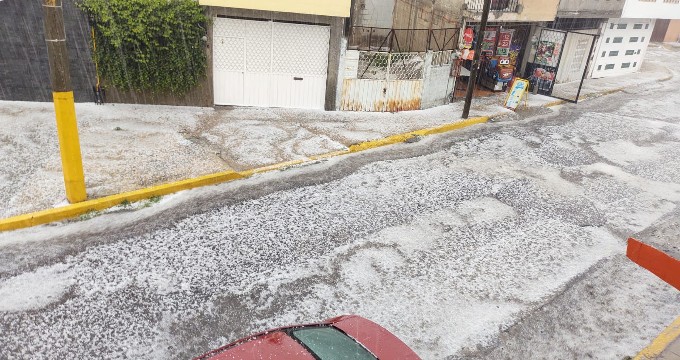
(468, 38)
(541, 77)
(504, 42)
(517, 92)
(489, 43)
(545, 53)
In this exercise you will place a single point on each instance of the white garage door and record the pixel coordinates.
(270, 64)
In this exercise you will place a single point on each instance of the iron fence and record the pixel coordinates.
(496, 5)
(402, 40)
(390, 66)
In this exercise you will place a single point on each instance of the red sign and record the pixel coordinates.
(468, 37)
(504, 42)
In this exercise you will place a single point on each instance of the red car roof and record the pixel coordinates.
(277, 345)
(382, 343)
(272, 346)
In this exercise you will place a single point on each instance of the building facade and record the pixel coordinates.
(622, 46)
(624, 38)
(584, 17)
(512, 32)
(399, 55)
(271, 53)
(666, 30)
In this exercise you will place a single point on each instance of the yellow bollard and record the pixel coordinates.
(71, 159)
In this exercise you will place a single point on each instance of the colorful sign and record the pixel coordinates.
(541, 78)
(518, 90)
(504, 42)
(489, 43)
(545, 53)
(468, 38)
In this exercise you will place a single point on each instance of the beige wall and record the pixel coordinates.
(673, 32)
(339, 8)
(532, 10)
(423, 14)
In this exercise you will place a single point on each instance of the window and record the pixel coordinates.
(637, 26)
(630, 52)
(328, 343)
(609, 67)
(634, 39)
(646, 26)
(604, 53)
(611, 26)
(607, 40)
(613, 53)
(625, 65)
(618, 40)
(643, 39)
(599, 67)
(635, 64)
(638, 51)
(621, 26)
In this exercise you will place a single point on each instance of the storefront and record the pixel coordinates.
(502, 53)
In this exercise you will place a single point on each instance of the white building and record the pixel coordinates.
(622, 46)
(623, 41)
(651, 9)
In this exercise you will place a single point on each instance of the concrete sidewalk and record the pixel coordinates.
(672, 352)
(129, 147)
(665, 347)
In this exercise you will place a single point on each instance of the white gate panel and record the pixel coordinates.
(300, 65)
(575, 57)
(229, 61)
(258, 63)
(264, 63)
(228, 77)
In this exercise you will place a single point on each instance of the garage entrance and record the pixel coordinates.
(270, 64)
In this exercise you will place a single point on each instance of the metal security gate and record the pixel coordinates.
(560, 63)
(389, 70)
(385, 82)
(270, 64)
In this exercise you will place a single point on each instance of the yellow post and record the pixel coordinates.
(69, 144)
(64, 106)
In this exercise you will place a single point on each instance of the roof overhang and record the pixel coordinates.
(339, 8)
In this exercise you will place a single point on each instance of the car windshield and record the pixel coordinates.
(328, 343)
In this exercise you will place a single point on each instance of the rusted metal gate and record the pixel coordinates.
(390, 67)
(385, 82)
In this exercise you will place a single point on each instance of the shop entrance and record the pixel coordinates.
(560, 63)
(503, 51)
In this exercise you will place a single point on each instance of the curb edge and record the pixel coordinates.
(73, 210)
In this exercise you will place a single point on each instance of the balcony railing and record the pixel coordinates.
(496, 5)
(403, 40)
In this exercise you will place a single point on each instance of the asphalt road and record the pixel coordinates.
(505, 240)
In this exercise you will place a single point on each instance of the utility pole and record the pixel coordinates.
(64, 107)
(475, 61)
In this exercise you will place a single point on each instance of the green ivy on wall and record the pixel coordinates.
(154, 45)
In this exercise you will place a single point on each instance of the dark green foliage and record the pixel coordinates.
(152, 45)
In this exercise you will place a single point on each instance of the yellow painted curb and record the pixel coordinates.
(74, 210)
(554, 103)
(670, 334)
(394, 139)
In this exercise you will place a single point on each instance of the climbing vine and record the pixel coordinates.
(154, 45)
